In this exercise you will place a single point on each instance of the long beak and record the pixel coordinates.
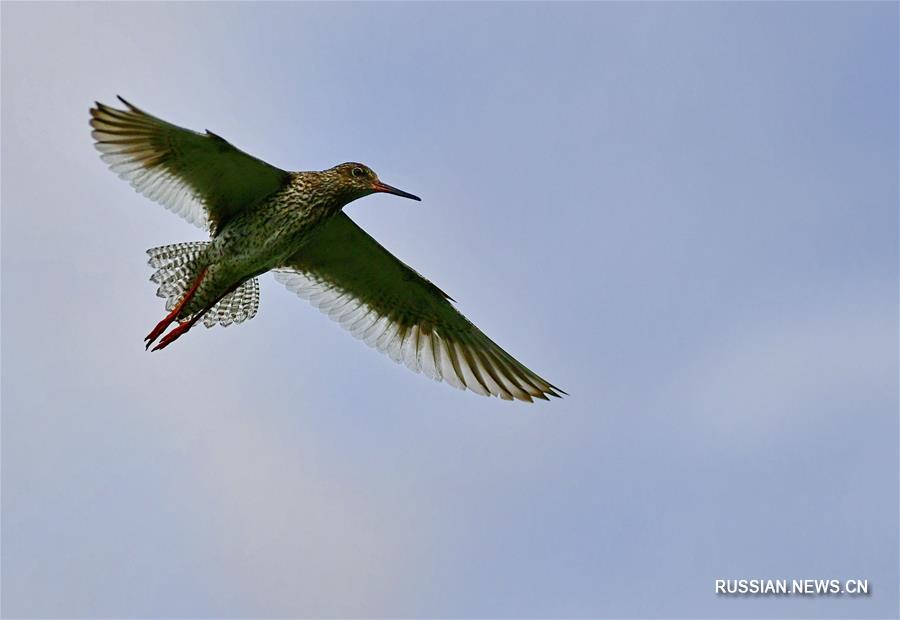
(378, 186)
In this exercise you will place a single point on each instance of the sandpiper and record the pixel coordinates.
(261, 218)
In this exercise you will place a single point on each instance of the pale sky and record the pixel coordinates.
(685, 215)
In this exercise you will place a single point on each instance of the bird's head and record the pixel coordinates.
(359, 180)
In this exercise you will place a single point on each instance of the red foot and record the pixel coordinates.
(173, 315)
(161, 327)
(173, 335)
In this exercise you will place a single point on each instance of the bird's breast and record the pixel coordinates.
(265, 237)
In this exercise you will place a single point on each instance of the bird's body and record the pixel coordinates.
(262, 237)
(264, 219)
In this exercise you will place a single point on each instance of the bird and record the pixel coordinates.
(261, 218)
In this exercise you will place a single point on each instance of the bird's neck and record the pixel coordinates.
(322, 191)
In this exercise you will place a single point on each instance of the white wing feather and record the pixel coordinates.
(380, 300)
(197, 176)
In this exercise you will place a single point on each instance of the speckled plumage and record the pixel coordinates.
(265, 235)
(262, 218)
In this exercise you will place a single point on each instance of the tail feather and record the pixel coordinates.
(176, 267)
(238, 306)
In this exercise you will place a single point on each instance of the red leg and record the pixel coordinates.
(173, 335)
(182, 329)
(173, 315)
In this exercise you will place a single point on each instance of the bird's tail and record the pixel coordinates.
(176, 268)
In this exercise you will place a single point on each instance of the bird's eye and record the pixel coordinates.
(358, 173)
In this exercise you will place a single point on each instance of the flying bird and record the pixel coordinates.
(261, 218)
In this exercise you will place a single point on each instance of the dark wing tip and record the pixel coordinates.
(99, 110)
(555, 391)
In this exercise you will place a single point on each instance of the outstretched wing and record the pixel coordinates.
(349, 276)
(200, 177)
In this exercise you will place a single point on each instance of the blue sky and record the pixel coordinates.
(685, 215)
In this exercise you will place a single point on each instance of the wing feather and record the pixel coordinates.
(382, 301)
(200, 177)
